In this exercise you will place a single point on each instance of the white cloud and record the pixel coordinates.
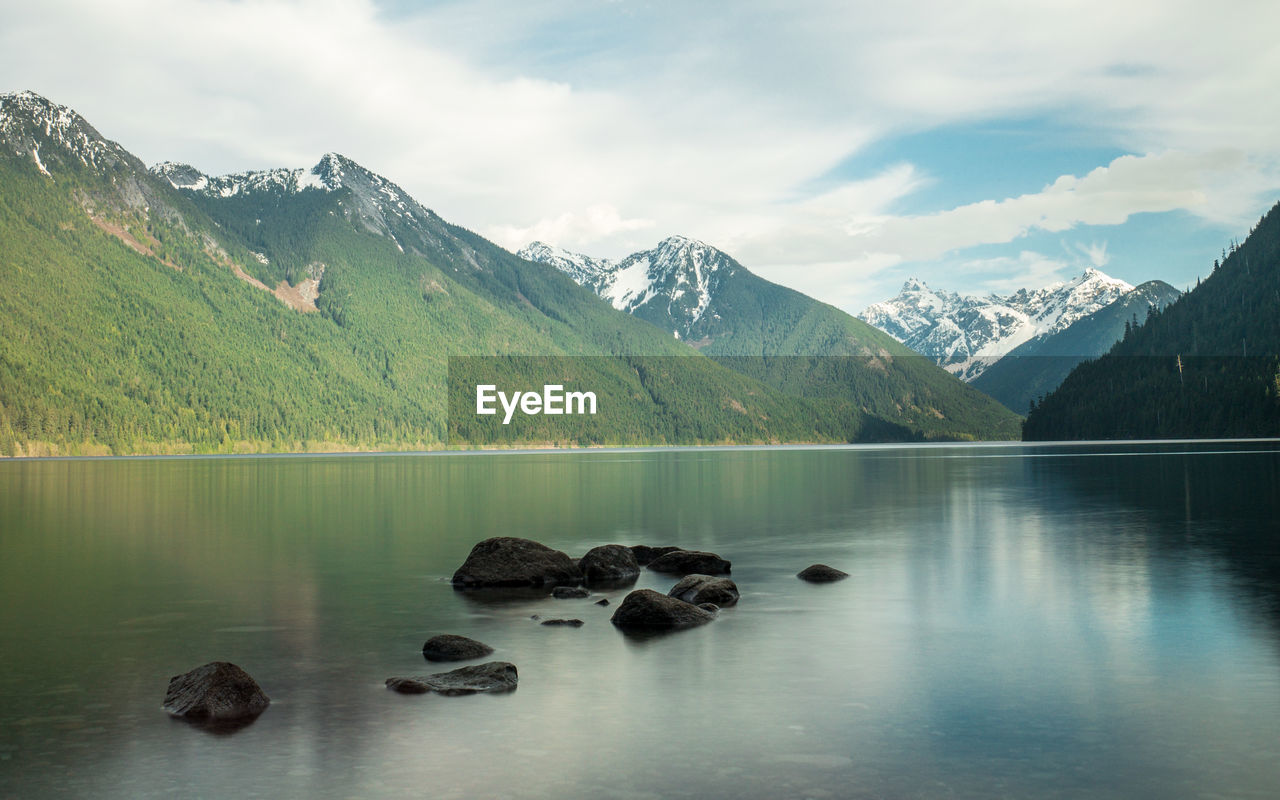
(571, 230)
(870, 241)
(1095, 252)
(1107, 195)
(595, 126)
(1006, 274)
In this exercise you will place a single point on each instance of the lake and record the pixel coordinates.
(1096, 620)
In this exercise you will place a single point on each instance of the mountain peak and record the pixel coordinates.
(966, 334)
(584, 269)
(181, 176)
(674, 284)
(185, 176)
(30, 123)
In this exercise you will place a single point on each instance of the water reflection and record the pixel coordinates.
(1017, 621)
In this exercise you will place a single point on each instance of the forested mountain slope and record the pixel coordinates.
(1206, 366)
(1035, 368)
(141, 311)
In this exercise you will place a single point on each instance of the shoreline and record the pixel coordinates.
(606, 449)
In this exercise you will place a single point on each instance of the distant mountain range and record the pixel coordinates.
(1206, 366)
(168, 310)
(701, 295)
(1036, 367)
(966, 334)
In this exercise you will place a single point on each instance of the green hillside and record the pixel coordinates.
(1206, 366)
(136, 317)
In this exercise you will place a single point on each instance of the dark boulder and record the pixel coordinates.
(407, 685)
(496, 676)
(570, 623)
(686, 562)
(644, 553)
(710, 608)
(569, 592)
(609, 563)
(217, 691)
(699, 589)
(645, 609)
(603, 601)
(448, 647)
(510, 561)
(821, 573)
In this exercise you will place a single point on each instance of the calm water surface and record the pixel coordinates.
(1091, 620)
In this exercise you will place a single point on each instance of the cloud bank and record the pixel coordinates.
(606, 128)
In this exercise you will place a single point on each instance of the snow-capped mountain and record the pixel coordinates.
(29, 124)
(1037, 367)
(674, 285)
(594, 273)
(185, 176)
(966, 334)
(379, 205)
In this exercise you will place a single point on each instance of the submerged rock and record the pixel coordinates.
(685, 562)
(644, 553)
(821, 573)
(495, 676)
(609, 563)
(603, 601)
(510, 561)
(218, 690)
(699, 589)
(569, 592)
(645, 609)
(571, 623)
(449, 647)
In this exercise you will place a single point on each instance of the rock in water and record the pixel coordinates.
(407, 686)
(572, 623)
(569, 592)
(608, 563)
(645, 609)
(821, 573)
(699, 589)
(685, 562)
(496, 676)
(644, 553)
(509, 561)
(449, 647)
(603, 601)
(217, 691)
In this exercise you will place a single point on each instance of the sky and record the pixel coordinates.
(837, 147)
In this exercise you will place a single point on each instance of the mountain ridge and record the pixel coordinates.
(130, 326)
(1038, 366)
(701, 295)
(966, 334)
(1206, 366)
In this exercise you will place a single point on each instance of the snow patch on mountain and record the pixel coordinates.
(29, 121)
(585, 270)
(966, 334)
(291, 181)
(680, 273)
